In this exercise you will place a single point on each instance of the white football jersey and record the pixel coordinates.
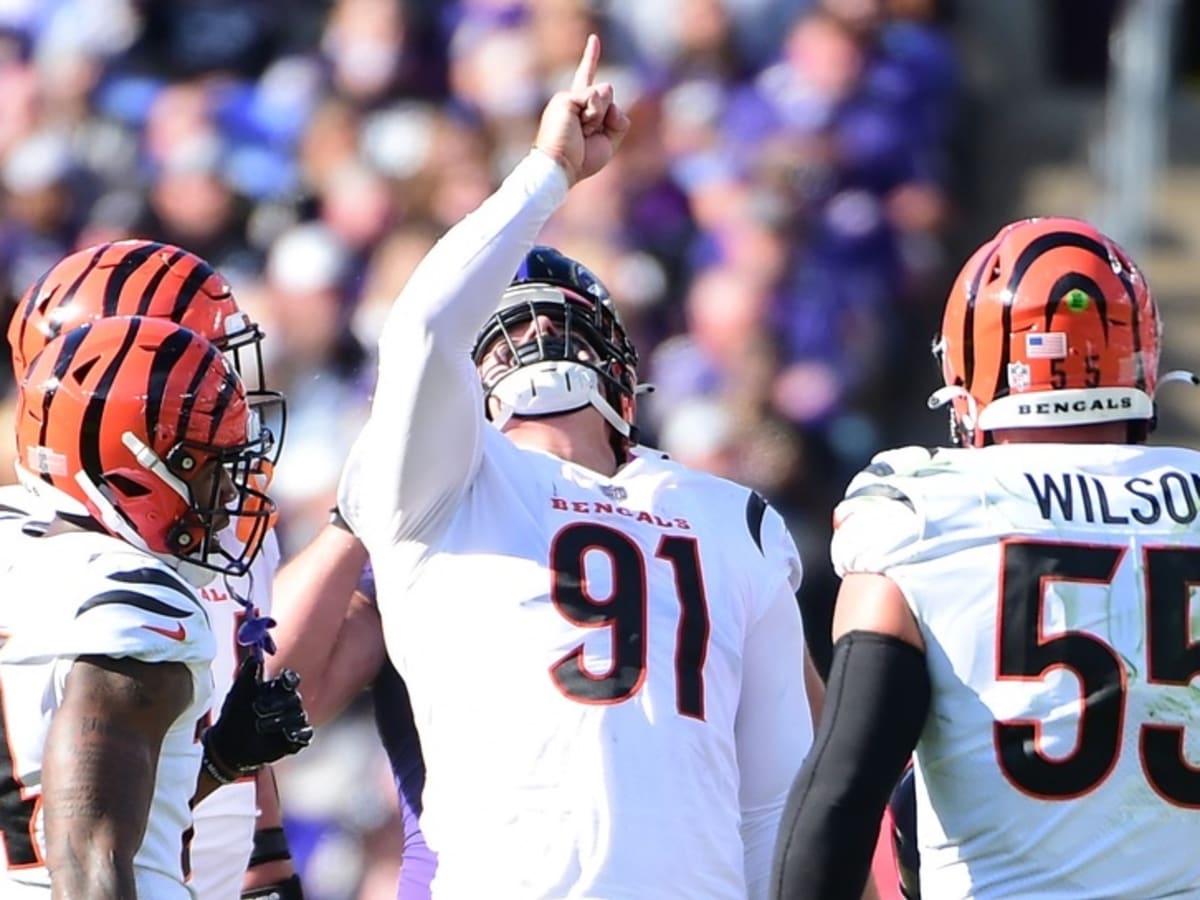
(226, 818)
(70, 594)
(1054, 585)
(574, 647)
(606, 673)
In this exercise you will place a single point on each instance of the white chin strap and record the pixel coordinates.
(550, 388)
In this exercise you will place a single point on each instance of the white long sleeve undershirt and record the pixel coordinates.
(422, 443)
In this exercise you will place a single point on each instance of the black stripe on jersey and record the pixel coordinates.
(121, 273)
(1077, 281)
(156, 279)
(1028, 257)
(70, 348)
(89, 447)
(153, 576)
(133, 598)
(189, 398)
(191, 285)
(756, 508)
(165, 359)
(886, 491)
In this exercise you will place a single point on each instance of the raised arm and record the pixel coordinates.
(422, 443)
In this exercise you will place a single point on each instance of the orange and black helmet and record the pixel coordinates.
(128, 420)
(135, 278)
(1049, 323)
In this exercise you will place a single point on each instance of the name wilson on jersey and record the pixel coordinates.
(600, 508)
(1076, 497)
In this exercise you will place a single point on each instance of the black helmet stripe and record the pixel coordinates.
(189, 399)
(70, 292)
(1135, 325)
(34, 293)
(66, 356)
(89, 430)
(1031, 254)
(121, 273)
(87, 270)
(155, 280)
(968, 335)
(1077, 281)
(166, 357)
(191, 285)
(224, 397)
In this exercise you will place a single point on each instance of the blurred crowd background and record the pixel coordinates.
(801, 180)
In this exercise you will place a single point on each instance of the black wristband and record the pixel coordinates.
(282, 890)
(216, 769)
(270, 845)
(337, 520)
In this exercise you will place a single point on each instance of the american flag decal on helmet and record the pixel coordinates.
(1051, 345)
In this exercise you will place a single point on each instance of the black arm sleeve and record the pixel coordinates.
(875, 706)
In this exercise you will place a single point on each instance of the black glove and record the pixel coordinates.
(260, 722)
(284, 890)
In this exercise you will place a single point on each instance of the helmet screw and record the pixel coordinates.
(184, 539)
(187, 463)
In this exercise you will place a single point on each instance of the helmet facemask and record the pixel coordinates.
(584, 358)
(242, 345)
(229, 500)
(250, 514)
(143, 426)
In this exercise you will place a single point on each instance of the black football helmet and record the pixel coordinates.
(585, 358)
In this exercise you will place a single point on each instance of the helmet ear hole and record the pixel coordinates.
(127, 486)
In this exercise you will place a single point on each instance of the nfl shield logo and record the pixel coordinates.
(613, 492)
(1018, 376)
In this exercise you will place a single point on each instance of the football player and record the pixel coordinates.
(602, 648)
(1019, 608)
(148, 278)
(137, 445)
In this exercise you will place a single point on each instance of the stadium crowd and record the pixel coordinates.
(773, 229)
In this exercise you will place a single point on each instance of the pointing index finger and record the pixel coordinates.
(586, 73)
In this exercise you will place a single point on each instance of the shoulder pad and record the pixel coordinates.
(905, 461)
(881, 519)
(128, 603)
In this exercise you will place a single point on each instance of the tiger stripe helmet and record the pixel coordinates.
(118, 416)
(1049, 323)
(135, 278)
